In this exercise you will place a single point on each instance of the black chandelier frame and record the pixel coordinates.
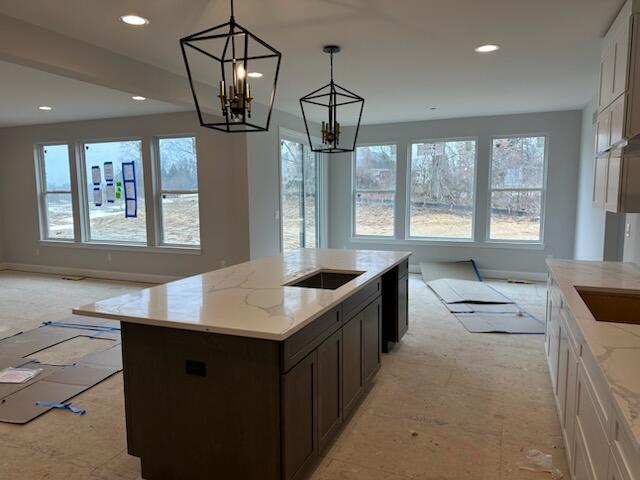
(335, 97)
(234, 30)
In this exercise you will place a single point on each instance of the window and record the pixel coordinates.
(374, 190)
(116, 215)
(441, 197)
(55, 192)
(178, 191)
(298, 195)
(517, 188)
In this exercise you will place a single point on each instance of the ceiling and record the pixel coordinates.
(25, 89)
(404, 56)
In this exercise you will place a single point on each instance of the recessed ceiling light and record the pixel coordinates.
(254, 74)
(487, 48)
(45, 108)
(139, 98)
(134, 20)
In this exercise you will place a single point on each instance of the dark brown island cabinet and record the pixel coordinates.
(204, 406)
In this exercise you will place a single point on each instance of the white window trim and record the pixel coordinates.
(543, 192)
(407, 223)
(158, 191)
(42, 192)
(354, 235)
(302, 138)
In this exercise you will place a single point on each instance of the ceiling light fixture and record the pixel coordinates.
(236, 51)
(489, 48)
(134, 20)
(139, 98)
(325, 103)
(45, 108)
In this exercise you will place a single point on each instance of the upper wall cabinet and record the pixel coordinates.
(619, 94)
(616, 182)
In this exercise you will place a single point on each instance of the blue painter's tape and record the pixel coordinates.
(63, 406)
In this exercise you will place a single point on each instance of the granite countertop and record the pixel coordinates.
(248, 299)
(616, 346)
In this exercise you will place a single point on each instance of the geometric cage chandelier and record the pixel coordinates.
(327, 110)
(233, 76)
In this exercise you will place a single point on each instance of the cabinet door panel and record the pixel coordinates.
(403, 306)
(622, 60)
(612, 202)
(570, 410)
(352, 372)
(616, 127)
(600, 181)
(371, 339)
(603, 129)
(329, 388)
(563, 364)
(299, 439)
(607, 71)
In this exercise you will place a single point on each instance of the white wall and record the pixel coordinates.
(563, 131)
(590, 222)
(222, 179)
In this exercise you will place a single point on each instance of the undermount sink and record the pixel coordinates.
(325, 279)
(612, 305)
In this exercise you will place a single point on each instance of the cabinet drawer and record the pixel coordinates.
(598, 386)
(359, 300)
(296, 347)
(627, 458)
(590, 429)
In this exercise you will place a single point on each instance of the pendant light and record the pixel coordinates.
(327, 110)
(233, 76)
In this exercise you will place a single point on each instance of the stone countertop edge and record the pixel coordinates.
(122, 308)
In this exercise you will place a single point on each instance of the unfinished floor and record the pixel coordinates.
(446, 404)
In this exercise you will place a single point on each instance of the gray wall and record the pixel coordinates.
(590, 222)
(563, 131)
(222, 177)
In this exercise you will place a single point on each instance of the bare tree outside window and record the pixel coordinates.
(374, 190)
(517, 188)
(442, 189)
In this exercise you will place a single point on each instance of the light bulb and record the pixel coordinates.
(240, 72)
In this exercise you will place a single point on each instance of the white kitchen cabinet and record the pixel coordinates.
(614, 62)
(600, 179)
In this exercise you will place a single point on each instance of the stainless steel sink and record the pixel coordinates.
(325, 279)
(612, 305)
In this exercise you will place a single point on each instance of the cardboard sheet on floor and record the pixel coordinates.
(56, 383)
(465, 270)
(482, 307)
(501, 323)
(465, 291)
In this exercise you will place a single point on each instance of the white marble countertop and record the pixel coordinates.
(615, 346)
(248, 299)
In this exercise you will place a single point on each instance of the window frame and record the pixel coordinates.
(83, 193)
(407, 224)
(158, 191)
(297, 137)
(542, 190)
(354, 191)
(42, 192)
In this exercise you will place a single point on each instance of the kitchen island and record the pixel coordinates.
(249, 372)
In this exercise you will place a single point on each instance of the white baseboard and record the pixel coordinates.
(85, 272)
(500, 274)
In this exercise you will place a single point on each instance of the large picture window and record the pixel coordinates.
(517, 188)
(298, 195)
(441, 197)
(55, 192)
(109, 221)
(178, 182)
(374, 190)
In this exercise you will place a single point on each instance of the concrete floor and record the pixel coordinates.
(446, 404)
